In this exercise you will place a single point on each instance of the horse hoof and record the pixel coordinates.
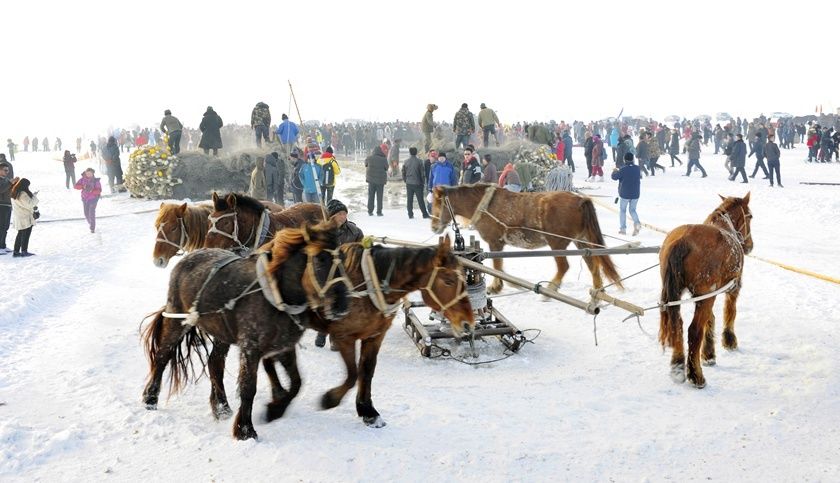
(244, 433)
(222, 411)
(710, 362)
(151, 406)
(328, 401)
(374, 422)
(678, 373)
(730, 342)
(275, 410)
(699, 383)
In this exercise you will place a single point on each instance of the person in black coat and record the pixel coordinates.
(739, 158)
(773, 155)
(674, 147)
(758, 150)
(111, 155)
(211, 136)
(297, 186)
(414, 175)
(376, 176)
(275, 178)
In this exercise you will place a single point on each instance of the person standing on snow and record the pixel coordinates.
(414, 176)
(463, 126)
(739, 158)
(771, 150)
(309, 178)
(758, 150)
(211, 135)
(376, 175)
(629, 178)
(487, 121)
(329, 172)
(260, 121)
(692, 147)
(275, 178)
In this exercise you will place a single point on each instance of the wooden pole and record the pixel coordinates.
(300, 120)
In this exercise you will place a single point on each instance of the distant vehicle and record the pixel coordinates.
(723, 116)
(672, 118)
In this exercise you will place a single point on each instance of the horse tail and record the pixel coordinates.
(592, 234)
(673, 283)
(181, 367)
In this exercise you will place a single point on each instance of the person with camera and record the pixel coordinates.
(629, 178)
(24, 214)
(7, 180)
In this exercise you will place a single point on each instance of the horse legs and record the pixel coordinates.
(249, 360)
(496, 286)
(709, 342)
(277, 390)
(367, 365)
(696, 335)
(277, 407)
(678, 347)
(562, 262)
(216, 367)
(347, 348)
(169, 336)
(729, 340)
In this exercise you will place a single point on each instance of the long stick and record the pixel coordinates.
(292, 91)
(821, 184)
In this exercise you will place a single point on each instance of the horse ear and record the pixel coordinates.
(182, 210)
(438, 191)
(215, 198)
(747, 198)
(444, 247)
(231, 201)
(723, 198)
(161, 205)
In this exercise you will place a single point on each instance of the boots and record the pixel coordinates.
(636, 229)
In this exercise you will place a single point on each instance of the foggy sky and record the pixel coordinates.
(80, 69)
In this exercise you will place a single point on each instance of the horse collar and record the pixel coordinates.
(483, 204)
(374, 290)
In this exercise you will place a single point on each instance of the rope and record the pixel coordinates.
(99, 217)
(782, 265)
(629, 276)
(445, 353)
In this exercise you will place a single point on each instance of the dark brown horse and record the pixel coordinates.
(221, 294)
(241, 223)
(180, 229)
(527, 220)
(183, 228)
(434, 271)
(702, 259)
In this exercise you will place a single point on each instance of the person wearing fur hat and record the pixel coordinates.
(91, 189)
(428, 126)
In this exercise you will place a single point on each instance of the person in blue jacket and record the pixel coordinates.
(629, 185)
(310, 174)
(442, 173)
(614, 136)
(287, 133)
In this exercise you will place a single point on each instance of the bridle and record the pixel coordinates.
(240, 247)
(182, 243)
(742, 233)
(461, 289)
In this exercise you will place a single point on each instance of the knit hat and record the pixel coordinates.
(335, 206)
(329, 149)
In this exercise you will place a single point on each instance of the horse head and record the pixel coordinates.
(441, 217)
(232, 222)
(445, 290)
(740, 216)
(311, 253)
(172, 235)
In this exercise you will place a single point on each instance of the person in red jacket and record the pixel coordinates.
(813, 143)
(91, 190)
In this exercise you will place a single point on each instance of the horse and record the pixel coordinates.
(183, 228)
(241, 223)
(216, 288)
(388, 275)
(180, 228)
(527, 220)
(703, 259)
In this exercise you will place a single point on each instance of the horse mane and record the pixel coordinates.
(286, 242)
(195, 221)
(404, 260)
(242, 201)
(725, 206)
(296, 215)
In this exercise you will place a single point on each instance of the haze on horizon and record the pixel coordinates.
(76, 69)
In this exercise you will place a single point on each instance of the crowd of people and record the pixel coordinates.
(304, 156)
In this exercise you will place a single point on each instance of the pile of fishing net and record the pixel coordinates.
(150, 172)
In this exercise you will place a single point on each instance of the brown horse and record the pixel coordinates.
(241, 223)
(183, 228)
(221, 294)
(434, 271)
(527, 220)
(180, 228)
(702, 259)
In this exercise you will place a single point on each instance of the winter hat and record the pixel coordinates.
(329, 149)
(483, 105)
(335, 206)
(464, 105)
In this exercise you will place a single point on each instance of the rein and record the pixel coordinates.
(182, 243)
(240, 246)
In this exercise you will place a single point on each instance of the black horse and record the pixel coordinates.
(221, 294)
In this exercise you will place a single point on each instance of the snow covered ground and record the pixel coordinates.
(72, 371)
